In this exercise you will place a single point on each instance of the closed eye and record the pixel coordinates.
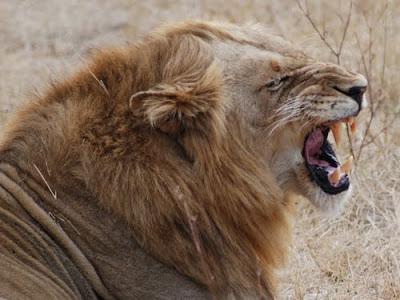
(284, 78)
(275, 83)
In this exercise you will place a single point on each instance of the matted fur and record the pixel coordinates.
(174, 150)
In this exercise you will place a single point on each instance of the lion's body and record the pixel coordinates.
(141, 172)
(58, 249)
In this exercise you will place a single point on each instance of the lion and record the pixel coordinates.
(168, 168)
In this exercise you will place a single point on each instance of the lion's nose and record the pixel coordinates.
(354, 92)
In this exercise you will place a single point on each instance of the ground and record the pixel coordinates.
(354, 255)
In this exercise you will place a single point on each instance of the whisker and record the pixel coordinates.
(291, 111)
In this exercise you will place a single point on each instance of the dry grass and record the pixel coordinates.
(353, 256)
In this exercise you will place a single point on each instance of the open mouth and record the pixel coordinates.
(322, 162)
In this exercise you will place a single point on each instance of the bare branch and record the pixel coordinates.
(322, 35)
(386, 30)
(384, 129)
(346, 27)
(372, 109)
(314, 25)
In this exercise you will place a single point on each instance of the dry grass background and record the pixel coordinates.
(353, 256)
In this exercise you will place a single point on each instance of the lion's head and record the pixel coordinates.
(287, 102)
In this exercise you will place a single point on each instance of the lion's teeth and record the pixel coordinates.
(352, 121)
(334, 178)
(337, 132)
(345, 168)
(353, 126)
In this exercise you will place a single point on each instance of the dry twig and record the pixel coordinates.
(54, 194)
(100, 82)
(322, 34)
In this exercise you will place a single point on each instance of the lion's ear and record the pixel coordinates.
(187, 104)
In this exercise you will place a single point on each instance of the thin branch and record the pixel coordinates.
(351, 144)
(381, 98)
(321, 35)
(372, 111)
(384, 129)
(346, 27)
(386, 29)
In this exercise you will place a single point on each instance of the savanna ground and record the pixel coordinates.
(353, 256)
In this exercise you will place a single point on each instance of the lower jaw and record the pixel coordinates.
(328, 204)
(307, 188)
(324, 183)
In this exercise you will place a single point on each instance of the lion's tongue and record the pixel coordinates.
(313, 148)
(319, 153)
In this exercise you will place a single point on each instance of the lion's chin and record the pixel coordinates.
(326, 203)
(329, 204)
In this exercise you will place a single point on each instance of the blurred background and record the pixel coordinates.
(355, 255)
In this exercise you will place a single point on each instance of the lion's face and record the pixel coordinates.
(290, 104)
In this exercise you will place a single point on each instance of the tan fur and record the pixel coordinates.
(171, 138)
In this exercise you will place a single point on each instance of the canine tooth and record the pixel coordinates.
(350, 120)
(353, 126)
(334, 178)
(337, 132)
(347, 165)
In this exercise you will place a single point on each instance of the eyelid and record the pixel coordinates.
(275, 82)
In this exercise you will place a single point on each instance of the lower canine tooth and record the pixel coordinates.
(334, 178)
(347, 165)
